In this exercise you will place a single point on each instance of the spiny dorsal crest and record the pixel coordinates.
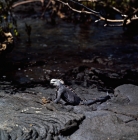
(70, 89)
(61, 81)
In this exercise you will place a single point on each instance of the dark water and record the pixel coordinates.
(97, 40)
(58, 48)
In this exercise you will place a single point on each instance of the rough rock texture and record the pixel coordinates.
(116, 119)
(24, 116)
(28, 115)
(129, 92)
(104, 79)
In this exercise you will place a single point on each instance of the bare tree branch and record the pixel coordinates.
(24, 2)
(92, 11)
(97, 14)
(89, 11)
(130, 18)
(50, 1)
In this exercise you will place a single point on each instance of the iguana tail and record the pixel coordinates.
(92, 101)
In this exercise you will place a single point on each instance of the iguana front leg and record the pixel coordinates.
(59, 93)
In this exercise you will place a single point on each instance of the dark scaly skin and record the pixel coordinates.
(65, 93)
(101, 100)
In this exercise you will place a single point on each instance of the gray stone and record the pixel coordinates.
(128, 91)
(115, 119)
(29, 117)
(24, 116)
(103, 125)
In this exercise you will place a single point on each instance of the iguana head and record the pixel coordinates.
(56, 82)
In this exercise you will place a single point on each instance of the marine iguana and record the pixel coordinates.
(68, 95)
